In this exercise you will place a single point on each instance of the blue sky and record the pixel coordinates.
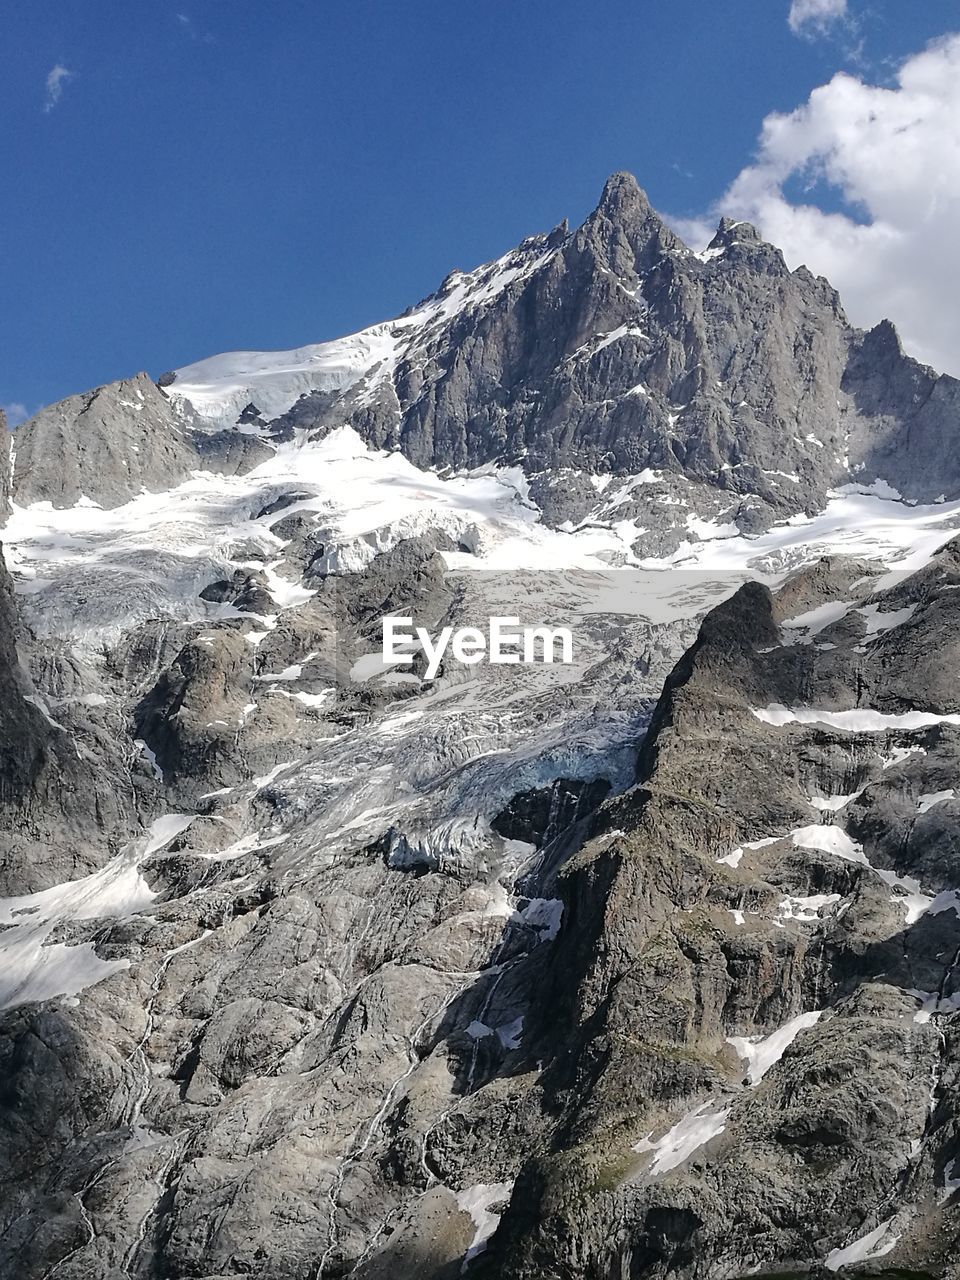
(205, 175)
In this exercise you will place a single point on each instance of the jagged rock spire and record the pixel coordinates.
(626, 227)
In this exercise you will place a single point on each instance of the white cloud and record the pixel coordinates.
(15, 412)
(893, 155)
(56, 77)
(815, 15)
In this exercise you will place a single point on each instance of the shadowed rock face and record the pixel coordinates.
(5, 447)
(57, 802)
(651, 972)
(672, 948)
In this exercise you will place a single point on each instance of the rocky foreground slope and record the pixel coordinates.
(644, 966)
(750, 1009)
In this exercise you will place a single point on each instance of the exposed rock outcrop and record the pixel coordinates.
(643, 964)
(110, 444)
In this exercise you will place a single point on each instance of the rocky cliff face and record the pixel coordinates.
(63, 785)
(644, 965)
(613, 349)
(5, 468)
(758, 939)
(108, 445)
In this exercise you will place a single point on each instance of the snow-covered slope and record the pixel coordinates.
(90, 573)
(221, 387)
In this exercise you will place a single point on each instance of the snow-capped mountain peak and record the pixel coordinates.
(220, 387)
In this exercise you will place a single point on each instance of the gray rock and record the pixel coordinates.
(401, 961)
(110, 444)
(617, 349)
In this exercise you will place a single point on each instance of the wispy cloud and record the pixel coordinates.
(56, 78)
(189, 27)
(16, 413)
(815, 16)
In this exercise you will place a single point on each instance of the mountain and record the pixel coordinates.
(643, 964)
(784, 867)
(613, 349)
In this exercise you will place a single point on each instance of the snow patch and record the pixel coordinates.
(478, 1202)
(834, 840)
(733, 858)
(760, 1053)
(695, 1130)
(810, 624)
(875, 1244)
(859, 720)
(878, 622)
(933, 798)
(33, 969)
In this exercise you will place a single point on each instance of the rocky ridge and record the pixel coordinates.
(647, 966)
(614, 349)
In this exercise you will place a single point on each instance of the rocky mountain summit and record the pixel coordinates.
(614, 348)
(644, 965)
